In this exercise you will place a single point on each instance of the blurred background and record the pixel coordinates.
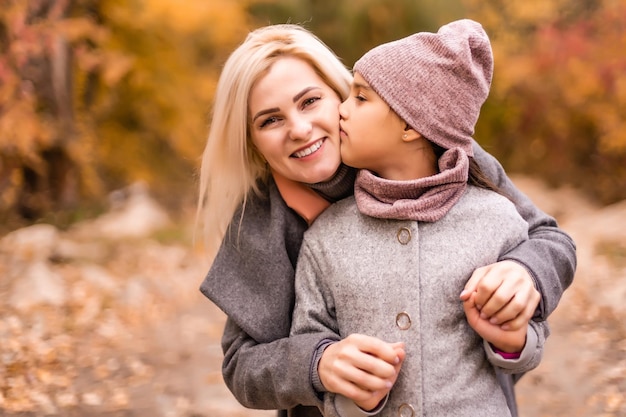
(98, 94)
(107, 101)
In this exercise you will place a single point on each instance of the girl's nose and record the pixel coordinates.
(343, 109)
(300, 129)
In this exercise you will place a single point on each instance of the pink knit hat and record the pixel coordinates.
(436, 82)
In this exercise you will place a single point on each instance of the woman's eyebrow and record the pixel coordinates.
(295, 99)
(303, 92)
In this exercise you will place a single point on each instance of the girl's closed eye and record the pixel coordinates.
(357, 93)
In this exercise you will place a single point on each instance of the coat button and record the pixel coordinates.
(403, 320)
(406, 410)
(404, 235)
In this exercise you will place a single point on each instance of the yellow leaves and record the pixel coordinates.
(223, 19)
(517, 71)
(111, 65)
(159, 68)
(123, 88)
(535, 11)
(22, 131)
(613, 129)
(115, 66)
(577, 82)
(218, 21)
(76, 29)
(593, 83)
(559, 90)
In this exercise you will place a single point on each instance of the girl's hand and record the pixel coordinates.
(377, 396)
(362, 368)
(505, 294)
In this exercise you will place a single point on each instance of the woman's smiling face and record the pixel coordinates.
(294, 121)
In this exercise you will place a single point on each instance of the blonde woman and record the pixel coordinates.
(271, 165)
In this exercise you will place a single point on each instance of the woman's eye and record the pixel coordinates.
(309, 101)
(359, 97)
(268, 121)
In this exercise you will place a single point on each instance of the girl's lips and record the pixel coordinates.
(308, 150)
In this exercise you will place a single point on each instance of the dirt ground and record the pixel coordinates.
(105, 319)
(584, 369)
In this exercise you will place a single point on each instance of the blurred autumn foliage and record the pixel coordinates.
(97, 94)
(558, 104)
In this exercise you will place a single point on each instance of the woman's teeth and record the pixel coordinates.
(309, 150)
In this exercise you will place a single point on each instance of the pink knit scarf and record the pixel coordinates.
(425, 199)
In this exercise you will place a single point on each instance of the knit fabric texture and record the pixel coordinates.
(425, 199)
(436, 82)
(338, 187)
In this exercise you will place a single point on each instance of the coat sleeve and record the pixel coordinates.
(314, 310)
(272, 375)
(530, 356)
(314, 313)
(549, 255)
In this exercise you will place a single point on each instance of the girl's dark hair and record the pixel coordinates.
(476, 175)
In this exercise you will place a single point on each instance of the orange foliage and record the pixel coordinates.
(558, 102)
(152, 125)
(97, 94)
(36, 116)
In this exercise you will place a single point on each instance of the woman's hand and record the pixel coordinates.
(505, 294)
(362, 368)
(511, 341)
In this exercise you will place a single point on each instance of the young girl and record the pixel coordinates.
(391, 261)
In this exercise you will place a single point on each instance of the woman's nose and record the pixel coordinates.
(300, 128)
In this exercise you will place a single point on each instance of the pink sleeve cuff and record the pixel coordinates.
(507, 355)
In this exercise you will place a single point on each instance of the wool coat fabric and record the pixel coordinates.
(252, 281)
(400, 280)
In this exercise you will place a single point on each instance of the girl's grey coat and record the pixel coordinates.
(252, 281)
(400, 281)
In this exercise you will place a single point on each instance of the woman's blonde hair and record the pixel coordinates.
(231, 166)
